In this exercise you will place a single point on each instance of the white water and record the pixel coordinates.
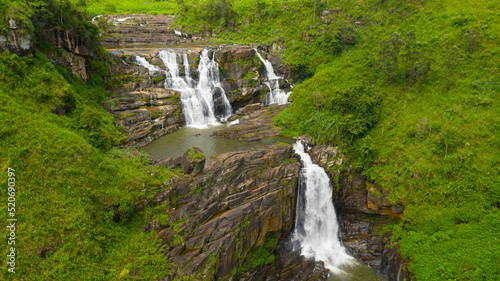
(276, 95)
(96, 17)
(152, 68)
(197, 100)
(316, 228)
(187, 70)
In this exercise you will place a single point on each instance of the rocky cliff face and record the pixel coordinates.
(141, 105)
(219, 219)
(363, 212)
(16, 41)
(139, 30)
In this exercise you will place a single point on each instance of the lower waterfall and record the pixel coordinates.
(316, 228)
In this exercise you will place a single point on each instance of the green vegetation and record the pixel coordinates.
(75, 193)
(75, 197)
(99, 7)
(195, 157)
(410, 91)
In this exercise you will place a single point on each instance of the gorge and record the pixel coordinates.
(200, 66)
(251, 140)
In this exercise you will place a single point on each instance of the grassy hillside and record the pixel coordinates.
(165, 7)
(410, 91)
(75, 194)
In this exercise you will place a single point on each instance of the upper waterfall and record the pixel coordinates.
(204, 102)
(276, 95)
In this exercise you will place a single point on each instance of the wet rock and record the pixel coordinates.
(248, 109)
(254, 126)
(220, 107)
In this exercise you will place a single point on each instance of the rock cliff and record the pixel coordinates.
(222, 217)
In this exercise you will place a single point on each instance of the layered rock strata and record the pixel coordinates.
(242, 79)
(255, 123)
(217, 218)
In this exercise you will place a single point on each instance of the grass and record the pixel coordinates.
(429, 135)
(75, 202)
(99, 7)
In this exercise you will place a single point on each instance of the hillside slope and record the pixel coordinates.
(410, 92)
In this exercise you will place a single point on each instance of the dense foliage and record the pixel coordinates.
(75, 193)
(75, 202)
(410, 91)
(154, 7)
(69, 191)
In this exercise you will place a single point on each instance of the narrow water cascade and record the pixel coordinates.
(187, 70)
(203, 103)
(151, 68)
(276, 95)
(316, 228)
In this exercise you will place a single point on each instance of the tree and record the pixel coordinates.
(411, 55)
(472, 39)
(389, 55)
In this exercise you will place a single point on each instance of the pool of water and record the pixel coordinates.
(356, 271)
(175, 144)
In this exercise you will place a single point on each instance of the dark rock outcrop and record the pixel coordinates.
(74, 64)
(193, 161)
(254, 126)
(147, 115)
(221, 215)
(17, 41)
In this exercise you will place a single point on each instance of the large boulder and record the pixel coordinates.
(193, 161)
(255, 125)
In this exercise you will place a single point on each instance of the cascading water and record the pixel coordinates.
(198, 102)
(276, 95)
(151, 68)
(187, 71)
(316, 228)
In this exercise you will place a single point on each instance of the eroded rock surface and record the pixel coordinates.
(221, 215)
(362, 215)
(148, 114)
(256, 125)
(139, 29)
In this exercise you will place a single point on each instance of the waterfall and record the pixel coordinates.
(316, 228)
(173, 80)
(151, 68)
(187, 71)
(204, 103)
(276, 95)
